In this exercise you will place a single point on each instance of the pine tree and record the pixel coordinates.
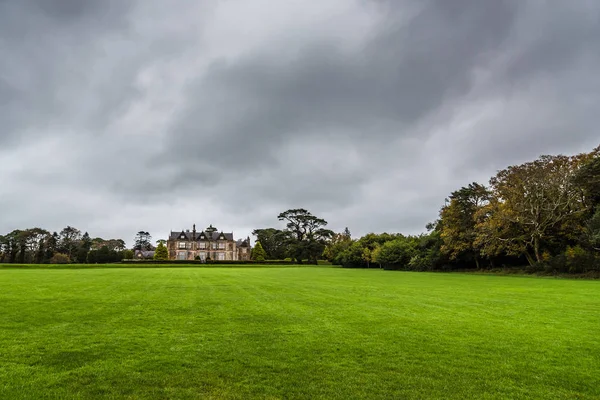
(258, 253)
(161, 252)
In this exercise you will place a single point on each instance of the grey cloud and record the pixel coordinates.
(160, 125)
(52, 52)
(243, 110)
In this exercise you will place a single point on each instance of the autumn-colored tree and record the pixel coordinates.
(530, 200)
(458, 231)
(338, 243)
(587, 179)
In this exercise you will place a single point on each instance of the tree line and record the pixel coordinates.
(543, 214)
(70, 245)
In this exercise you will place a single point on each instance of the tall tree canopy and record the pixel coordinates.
(531, 200)
(143, 241)
(69, 240)
(458, 231)
(274, 242)
(307, 234)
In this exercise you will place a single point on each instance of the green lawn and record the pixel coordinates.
(317, 332)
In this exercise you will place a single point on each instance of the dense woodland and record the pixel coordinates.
(543, 214)
(39, 246)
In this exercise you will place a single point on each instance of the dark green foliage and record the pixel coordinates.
(69, 241)
(127, 254)
(397, 253)
(105, 255)
(274, 242)
(84, 247)
(41, 252)
(306, 234)
(51, 246)
(143, 241)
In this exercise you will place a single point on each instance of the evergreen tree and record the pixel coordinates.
(51, 246)
(161, 252)
(347, 233)
(84, 248)
(142, 241)
(39, 255)
(258, 253)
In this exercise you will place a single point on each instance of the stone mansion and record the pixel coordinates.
(207, 244)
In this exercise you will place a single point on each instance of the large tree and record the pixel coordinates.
(84, 247)
(458, 231)
(2, 248)
(69, 241)
(274, 242)
(338, 243)
(51, 246)
(143, 241)
(530, 200)
(307, 234)
(588, 179)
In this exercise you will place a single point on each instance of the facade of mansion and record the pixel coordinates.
(207, 245)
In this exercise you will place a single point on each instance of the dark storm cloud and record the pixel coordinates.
(51, 52)
(131, 115)
(243, 110)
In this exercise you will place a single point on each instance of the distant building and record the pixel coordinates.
(207, 245)
(144, 254)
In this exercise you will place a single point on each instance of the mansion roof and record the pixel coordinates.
(187, 235)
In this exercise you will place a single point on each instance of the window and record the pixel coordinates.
(222, 246)
(221, 256)
(244, 250)
(182, 245)
(214, 245)
(202, 245)
(181, 255)
(203, 256)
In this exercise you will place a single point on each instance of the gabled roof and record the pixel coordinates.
(145, 253)
(189, 235)
(241, 243)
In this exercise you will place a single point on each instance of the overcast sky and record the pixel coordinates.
(117, 116)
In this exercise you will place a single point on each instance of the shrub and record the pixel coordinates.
(579, 260)
(397, 253)
(60, 258)
(161, 252)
